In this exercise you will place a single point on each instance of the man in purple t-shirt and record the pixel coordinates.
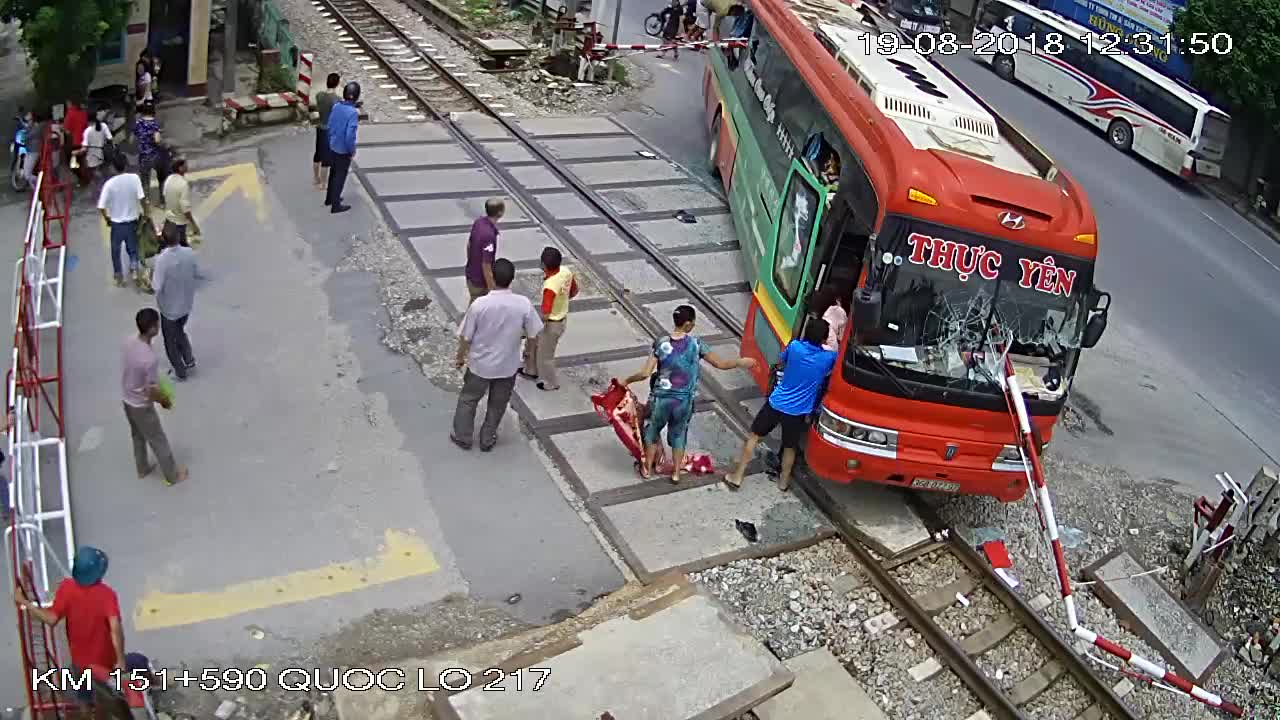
(482, 248)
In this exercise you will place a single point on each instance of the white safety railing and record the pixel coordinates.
(39, 492)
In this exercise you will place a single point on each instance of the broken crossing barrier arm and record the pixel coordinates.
(1049, 528)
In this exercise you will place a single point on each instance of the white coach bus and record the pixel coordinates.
(1139, 109)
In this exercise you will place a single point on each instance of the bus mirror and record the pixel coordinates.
(1099, 300)
(1093, 330)
(866, 309)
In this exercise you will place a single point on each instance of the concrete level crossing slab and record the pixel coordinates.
(566, 206)
(407, 133)
(737, 303)
(1151, 611)
(683, 660)
(599, 239)
(481, 126)
(705, 326)
(594, 331)
(528, 283)
(407, 156)
(599, 460)
(450, 250)
(508, 152)
(669, 198)
(823, 690)
(450, 212)
(671, 233)
(638, 276)
(638, 170)
(879, 515)
(696, 528)
(713, 268)
(730, 380)
(416, 182)
(536, 177)
(555, 126)
(577, 384)
(596, 147)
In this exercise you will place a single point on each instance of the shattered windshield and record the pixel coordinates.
(947, 294)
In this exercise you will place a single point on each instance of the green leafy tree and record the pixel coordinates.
(62, 37)
(1249, 76)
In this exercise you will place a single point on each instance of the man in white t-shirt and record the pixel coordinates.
(122, 203)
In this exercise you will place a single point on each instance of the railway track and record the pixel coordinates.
(411, 67)
(936, 613)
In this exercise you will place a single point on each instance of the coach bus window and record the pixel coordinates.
(795, 229)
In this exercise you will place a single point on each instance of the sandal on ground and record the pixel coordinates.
(543, 386)
(526, 374)
(729, 483)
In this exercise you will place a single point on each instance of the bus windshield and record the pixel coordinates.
(949, 295)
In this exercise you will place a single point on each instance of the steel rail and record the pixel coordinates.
(949, 651)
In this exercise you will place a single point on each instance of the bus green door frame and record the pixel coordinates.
(785, 277)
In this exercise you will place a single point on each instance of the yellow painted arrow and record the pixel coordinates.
(242, 177)
(402, 556)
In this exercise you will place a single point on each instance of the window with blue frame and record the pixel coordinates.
(111, 48)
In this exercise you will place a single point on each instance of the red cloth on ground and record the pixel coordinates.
(618, 407)
(87, 612)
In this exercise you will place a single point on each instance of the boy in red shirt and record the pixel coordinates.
(92, 612)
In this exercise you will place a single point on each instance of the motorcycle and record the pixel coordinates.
(18, 159)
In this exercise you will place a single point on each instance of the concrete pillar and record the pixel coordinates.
(198, 50)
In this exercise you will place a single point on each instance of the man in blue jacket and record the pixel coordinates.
(343, 120)
(805, 367)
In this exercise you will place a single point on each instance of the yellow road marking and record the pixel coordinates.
(402, 556)
(242, 177)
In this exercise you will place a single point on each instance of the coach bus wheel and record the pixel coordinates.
(1003, 65)
(1121, 135)
(712, 167)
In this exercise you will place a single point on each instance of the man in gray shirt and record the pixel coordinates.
(325, 100)
(489, 346)
(174, 282)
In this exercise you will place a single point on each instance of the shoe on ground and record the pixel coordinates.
(339, 209)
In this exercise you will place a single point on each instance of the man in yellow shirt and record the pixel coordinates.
(558, 287)
(177, 204)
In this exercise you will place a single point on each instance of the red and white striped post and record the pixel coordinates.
(306, 70)
(1049, 526)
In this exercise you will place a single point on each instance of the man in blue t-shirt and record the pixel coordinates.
(805, 366)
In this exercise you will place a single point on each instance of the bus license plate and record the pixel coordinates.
(1208, 169)
(910, 25)
(931, 484)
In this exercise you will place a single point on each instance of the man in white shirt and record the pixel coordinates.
(177, 204)
(122, 203)
(489, 346)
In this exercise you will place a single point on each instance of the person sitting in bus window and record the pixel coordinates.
(830, 174)
(805, 367)
(830, 303)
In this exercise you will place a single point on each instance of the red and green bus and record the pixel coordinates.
(850, 158)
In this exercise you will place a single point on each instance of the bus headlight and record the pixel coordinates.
(857, 437)
(1009, 459)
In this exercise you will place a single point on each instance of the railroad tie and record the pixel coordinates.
(980, 715)
(939, 599)
(1037, 682)
(990, 636)
(925, 669)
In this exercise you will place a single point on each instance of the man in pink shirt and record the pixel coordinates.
(141, 391)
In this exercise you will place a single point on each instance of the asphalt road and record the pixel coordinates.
(1185, 382)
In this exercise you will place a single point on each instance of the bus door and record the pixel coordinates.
(786, 275)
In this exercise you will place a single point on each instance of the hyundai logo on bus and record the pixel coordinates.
(951, 451)
(964, 260)
(1011, 221)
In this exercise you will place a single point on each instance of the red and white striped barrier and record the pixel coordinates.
(269, 101)
(1049, 527)
(306, 71)
(731, 43)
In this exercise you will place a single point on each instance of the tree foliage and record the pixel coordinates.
(1249, 76)
(62, 37)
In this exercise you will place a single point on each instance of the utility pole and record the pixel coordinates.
(230, 26)
(617, 20)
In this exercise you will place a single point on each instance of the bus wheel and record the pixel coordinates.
(1120, 134)
(712, 167)
(1003, 65)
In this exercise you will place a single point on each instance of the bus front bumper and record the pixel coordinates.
(838, 463)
